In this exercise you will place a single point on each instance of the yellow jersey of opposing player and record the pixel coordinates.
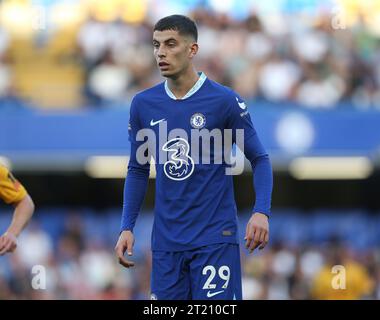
(11, 190)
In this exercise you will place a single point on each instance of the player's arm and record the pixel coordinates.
(13, 192)
(23, 212)
(257, 231)
(135, 187)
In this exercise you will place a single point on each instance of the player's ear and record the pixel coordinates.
(193, 49)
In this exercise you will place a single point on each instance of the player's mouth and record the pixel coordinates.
(163, 65)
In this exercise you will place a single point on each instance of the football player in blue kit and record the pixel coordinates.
(195, 239)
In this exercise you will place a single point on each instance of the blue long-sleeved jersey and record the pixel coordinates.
(194, 202)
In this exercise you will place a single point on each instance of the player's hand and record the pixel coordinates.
(8, 243)
(125, 243)
(257, 232)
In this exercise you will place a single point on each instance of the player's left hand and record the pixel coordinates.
(257, 232)
(8, 243)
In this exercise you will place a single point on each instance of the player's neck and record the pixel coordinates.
(181, 85)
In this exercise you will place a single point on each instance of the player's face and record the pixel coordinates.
(173, 52)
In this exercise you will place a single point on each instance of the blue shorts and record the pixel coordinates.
(209, 272)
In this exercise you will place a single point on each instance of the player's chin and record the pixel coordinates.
(167, 73)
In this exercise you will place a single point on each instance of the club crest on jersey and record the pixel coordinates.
(198, 120)
(180, 165)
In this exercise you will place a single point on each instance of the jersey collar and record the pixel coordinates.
(194, 89)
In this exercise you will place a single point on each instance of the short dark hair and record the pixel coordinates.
(184, 25)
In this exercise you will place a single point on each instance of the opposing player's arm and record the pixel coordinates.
(135, 187)
(13, 192)
(257, 231)
(23, 212)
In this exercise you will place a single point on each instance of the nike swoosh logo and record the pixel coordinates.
(241, 104)
(209, 294)
(153, 123)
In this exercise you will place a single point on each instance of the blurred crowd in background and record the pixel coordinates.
(312, 65)
(316, 59)
(75, 248)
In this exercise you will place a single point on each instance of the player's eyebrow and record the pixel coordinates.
(165, 41)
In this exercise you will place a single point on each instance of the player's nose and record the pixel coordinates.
(161, 52)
